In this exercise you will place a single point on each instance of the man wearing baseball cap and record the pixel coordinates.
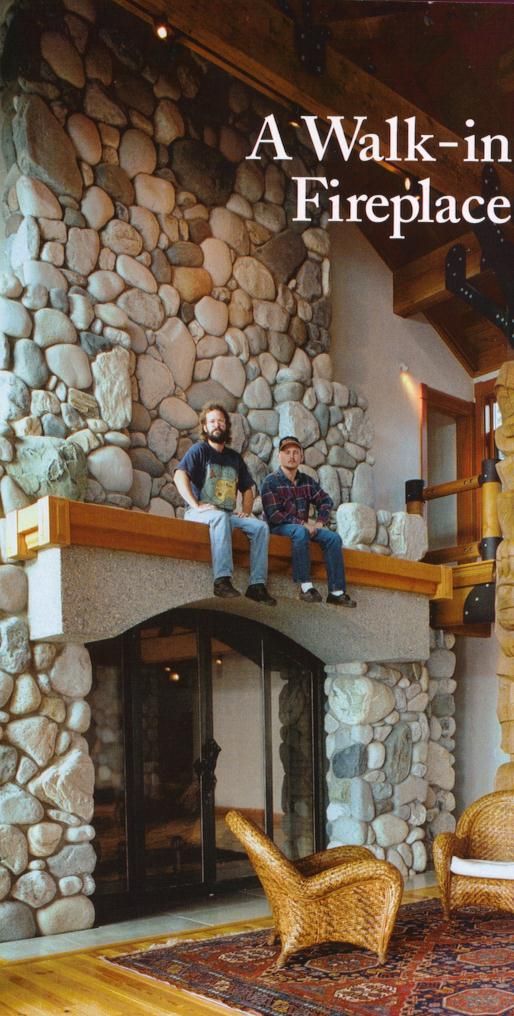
(287, 496)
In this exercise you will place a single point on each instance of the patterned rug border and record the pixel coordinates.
(432, 968)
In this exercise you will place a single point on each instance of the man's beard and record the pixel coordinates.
(218, 436)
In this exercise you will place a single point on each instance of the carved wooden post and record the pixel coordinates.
(505, 575)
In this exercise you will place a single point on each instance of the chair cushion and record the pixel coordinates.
(476, 868)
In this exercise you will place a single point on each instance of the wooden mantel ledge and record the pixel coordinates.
(57, 522)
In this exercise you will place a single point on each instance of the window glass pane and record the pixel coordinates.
(171, 745)
(238, 725)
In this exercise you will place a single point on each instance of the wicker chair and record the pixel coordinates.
(485, 832)
(339, 895)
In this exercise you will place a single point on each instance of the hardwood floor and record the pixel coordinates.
(83, 984)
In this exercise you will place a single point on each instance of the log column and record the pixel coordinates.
(505, 575)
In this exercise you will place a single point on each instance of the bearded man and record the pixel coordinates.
(209, 477)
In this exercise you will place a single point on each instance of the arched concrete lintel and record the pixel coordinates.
(82, 594)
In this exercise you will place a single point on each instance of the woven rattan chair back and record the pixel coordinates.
(272, 868)
(485, 831)
(339, 895)
(488, 826)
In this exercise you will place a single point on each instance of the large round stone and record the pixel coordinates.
(203, 170)
(52, 327)
(48, 465)
(112, 468)
(389, 830)
(97, 207)
(258, 394)
(13, 848)
(249, 181)
(210, 391)
(16, 922)
(185, 253)
(283, 254)
(105, 285)
(14, 645)
(229, 371)
(228, 226)
(360, 700)
(162, 440)
(35, 198)
(212, 315)
(254, 278)
(145, 309)
(296, 419)
(44, 838)
(398, 746)
(17, 807)
(82, 250)
(71, 674)
(68, 785)
(155, 381)
(84, 134)
(155, 194)
(60, 53)
(135, 274)
(36, 888)
(192, 283)
(169, 123)
(70, 364)
(217, 260)
(73, 913)
(178, 413)
(26, 696)
(99, 106)
(137, 153)
(15, 320)
(176, 346)
(122, 238)
(30, 364)
(356, 523)
(43, 148)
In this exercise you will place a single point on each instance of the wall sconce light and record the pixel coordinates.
(404, 368)
(171, 674)
(218, 666)
(162, 30)
(294, 118)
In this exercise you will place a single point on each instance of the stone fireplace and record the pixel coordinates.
(151, 269)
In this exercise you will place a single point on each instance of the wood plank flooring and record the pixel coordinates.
(83, 984)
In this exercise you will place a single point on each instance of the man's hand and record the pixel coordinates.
(313, 527)
(204, 507)
(242, 515)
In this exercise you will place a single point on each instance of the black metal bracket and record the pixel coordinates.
(479, 604)
(498, 255)
(310, 38)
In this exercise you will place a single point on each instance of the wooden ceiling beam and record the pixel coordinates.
(420, 284)
(256, 41)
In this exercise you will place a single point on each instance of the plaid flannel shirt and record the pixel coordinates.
(284, 501)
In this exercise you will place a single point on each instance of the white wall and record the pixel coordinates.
(368, 344)
(477, 752)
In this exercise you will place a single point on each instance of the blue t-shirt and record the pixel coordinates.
(215, 476)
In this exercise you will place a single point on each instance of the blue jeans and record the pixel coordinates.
(221, 525)
(331, 545)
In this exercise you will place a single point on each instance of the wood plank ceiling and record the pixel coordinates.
(440, 62)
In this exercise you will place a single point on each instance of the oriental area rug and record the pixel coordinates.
(432, 968)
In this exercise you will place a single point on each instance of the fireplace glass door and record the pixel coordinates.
(194, 713)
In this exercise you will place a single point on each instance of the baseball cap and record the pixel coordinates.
(288, 440)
